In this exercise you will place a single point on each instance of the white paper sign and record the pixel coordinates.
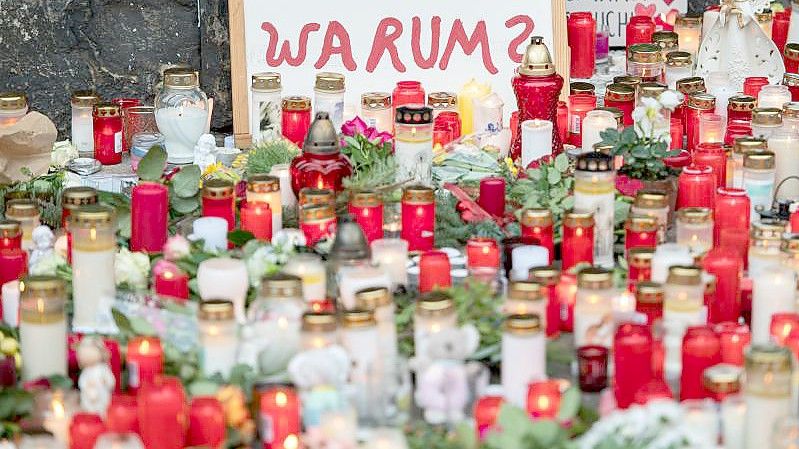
(442, 43)
(616, 13)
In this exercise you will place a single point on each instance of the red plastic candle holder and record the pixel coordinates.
(408, 92)
(206, 423)
(482, 252)
(256, 217)
(578, 239)
(701, 349)
(592, 368)
(434, 271)
(84, 429)
(579, 105)
(122, 415)
(779, 28)
(366, 207)
(163, 420)
(279, 415)
(145, 361)
(632, 356)
(548, 278)
(639, 30)
(581, 28)
(731, 211)
(753, 84)
(296, 119)
(418, 210)
(622, 97)
(149, 212)
(172, 282)
(107, 128)
(734, 339)
(218, 201)
(676, 131)
(640, 232)
(649, 300)
(726, 264)
(10, 235)
(537, 228)
(486, 411)
(696, 187)
(783, 325)
(543, 399)
(317, 223)
(712, 155)
(13, 264)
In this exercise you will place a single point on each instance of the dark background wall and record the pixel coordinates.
(48, 48)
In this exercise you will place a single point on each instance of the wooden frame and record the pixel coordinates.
(240, 84)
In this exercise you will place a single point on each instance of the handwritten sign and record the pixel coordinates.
(616, 13)
(442, 43)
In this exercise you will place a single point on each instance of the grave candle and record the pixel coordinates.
(698, 103)
(418, 217)
(392, 256)
(701, 349)
(355, 278)
(82, 136)
(567, 296)
(731, 212)
(317, 223)
(444, 102)
(632, 355)
(311, 269)
(536, 140)
(773, 292)
(319, 330)
(296, 119)
(640, 232)
(594, 123)
(722, 380)
(145, 361)
(10, 234)
(543, 399)
(266, 108)
(26, 212)
(548, 278)
(734, 339)
(786, 161)
(413, 143)
(482, 252)
(578, 239)
(218, 337)
(526, 297)
(695, 228)
(783, 325)
(287, 197)
(759, 181)
(773, 96)
(639, 261)
(218, 200)
(733, 418)
(279, 415)
(256, 217)
(224, 278)
(43, 327)
(537, 229)
(712, 155)
(435, 312)
(726, 264)
(523, 356)
(162, 414)
(206, 423)
(377, 111)
(171, 281)
(594, 189)
(471, 91)
(622, 97)
(434, 271)
(767, 391)
(639, 30)
(682, 308)
(526, 257)
(766, 121)
(84, 430)
(267, 189)
(74, 197)
(581, 28)
(107, 129)
(649, 300)
(764, 246)
(379, 300)
(149, 213)
(678, 66)
(13, 264)
(329, 96)
(579, 105)
(592, 363)
(593, 308)
(486, 411)
(696, 187)
(655, 204)
(13, 106)
(367, 208)
(122, 414)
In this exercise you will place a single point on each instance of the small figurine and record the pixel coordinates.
(43, 241)
(320, 375)
(205, 152)
(96, 381)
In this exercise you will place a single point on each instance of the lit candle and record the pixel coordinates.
(786, 161)
(287, 197)
(482, 252)
(548, 278)
(695, 229)
(82, 135)
(682, 308)
(594, 123)
(632, 357)
(593, 320)
(711, 128)
(339, 427)
(733, 422)
(435, 312)
(592, 366)
(145, 361)
(266, 108)
(149, 211)
(537, 228)
(413, 143)
(679, 65)
(698, 103)
(267, 189)
(622, 97)
(640, 232)
(469, 93)
(13, 106)
(256, 217)
(84, 430)
(392, 256)
(311, 269)
(279, 418)
(317, 223)
(206, 423)
(722, 380)
(59, 408)
(171, 281)
(726, 264)
(434, 271)
(701, 349)
(759, 181)
(218, 337)
(731, 212)
(319, 330)
(743, 145)
(486, 411)
(782, 326)
(567, 296)
(361, 339)
(536, 140)
(182, 125)
(296, 119)
(767, 392)
(10, 298)
(774, 292)
(224, 278)
(376, 111)
(639, 263)
(13, 264)
(578, 239)
(218, 201)
(418, 217)
(10, 234)
(764, 246)
(649, 297)
(163, 420)
(734, 339)
(655, 204)
(526, 297)
(43, 328)
(523, 356)
(444, 102)
(276, 314)
(712, 155)
(696, 187)
(543, 399)
(352, 279)
(366, 207)
(26, 212)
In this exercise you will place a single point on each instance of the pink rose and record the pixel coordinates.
(176, 247)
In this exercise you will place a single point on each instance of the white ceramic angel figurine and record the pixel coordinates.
(737, 45)
(96, 381)
(43, 241)
(205, 151)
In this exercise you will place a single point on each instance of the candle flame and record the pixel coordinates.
(420, 211)
(291, 442)
(435, 327)
(320, 184)
(40, 305)
(168, 275)
(536, 229)
(93, 234)
(579, 232)
(58, 409)
(144, 347)
(543, 403)
(281, 399)
(282, 322)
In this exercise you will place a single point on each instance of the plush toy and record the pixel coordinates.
(320, 375)
(96, 381)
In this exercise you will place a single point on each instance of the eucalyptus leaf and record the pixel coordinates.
(184, 206)
(569, 404)
(186, 182)
(152, 165)
(562, 162)
(141, 326)
(547, 433)
(553, 176)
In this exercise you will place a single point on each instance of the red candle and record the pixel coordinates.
(122, 415)
(649, 300)
(581, 28)
(779, 28)
(792, 343)
(712, 155)
(114, 361)
(734, 339)
(727, 266)
(492, 196)
(317, 223)
(296, 119)
(639, 263)
(206, 423)
(123, 104)
(107, 123)
(737, 129)
(567, 295)
(8, 371)
(418, 217)
(731, 211)
(579, 105)
(701, 349)
(696, 187)
(656, 389)
(367, 208)
(791, 57)
(698, 103)
(319, 168)
(486, 411)
(279, 417)
(622, 97)
(407, 92)
(578, 239)
(434, 271)
(792, 81)
(676, 132)
(537, 228)
(543, 399)
(746, 298)
(794, 221)
(783, 325)
(84, 430)
(632, 356)
(548, 278)
(13, 264)
(10, 234)
(592, 368)
(145, 361)
(171, 281)
(149, 211)
(482, 252)
(162, 414)
(640, 30)
(739, 108)
(753, 84)
(562, 119)
(449, 120)
(441, 135)
(641, 231)
(256, 217)
(218, 201)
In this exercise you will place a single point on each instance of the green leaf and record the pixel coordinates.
(466, 435)
(122, 322)
(569, 404)
(140, 326)
(152, 165)
(547, 433)
(186, 182)
(562, 162)
(184, 206)
(553, 176)
(513, 419)
(239, 237)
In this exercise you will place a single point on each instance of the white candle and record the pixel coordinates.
(773, 291)
(218, 337)
(387, 438)
(536, 140)
(380, 301)
(266, 108)
(719, 85)
(435, 312)
(688, 31)
(377, 112)
(764, 247)
(526, 297)
(266, 189)
(523, 356)
(469, 93)
(339, 427)
(773, 96)
(702, 420)
(181, 128)
(594, 123)
(212, 231)
(767, 393)
(224, 278)
(784, 145)
(360, 337)
(319, 330)
(667, 255)
(413, 151)
(695, 229)
(594, 191)
(593, 310)
(287, 198)
(82, 122)
(311, 269)
(354, 279)
(733, 422)
(488, 113)
(329, 97)
(711, 128)
(683, 306)
(525, 257)
(10, 295)
(392, 255)
(43, 327)
(59, 409)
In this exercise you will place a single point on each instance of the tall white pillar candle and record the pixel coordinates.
(733, 421)
(536, 140)
(523, 356)
(773, 291)
(266, 110)
(218, 337)
(785, 146)
(380, 301)
(767, 392)
(224, 278)
(10, 295)
(42, 327)
(212, 231)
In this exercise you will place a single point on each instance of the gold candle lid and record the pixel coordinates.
(702, 101)
(418, 194)
(574, 219)
(218, 188)
(695, 215)
(792, 51)
(107, 110)
(281, 285)
(688, 20)
(640, 257)
(767, 116)
(45, 285)
(678, 59)
(641, 223)
(435, 303)
(769, 357)
(594, 278)
(644, 53)
(742, 103)
(520, 324)
(627, 80)
(619, 92)
(296, 103)
(546, 276)
(372, 298)
(10, 228)
(525, 291)
(790, 244)
(647, 292)
(12, 101)
(311, 196)
(376, 100)
(790, 80)
(442, 100)
(537, 60)
(651, 199)
(651, 90)
(665, 39)
(181, 78)
(722, 378)
(536, 217)
(92, 215)
(261, 183)
(216, 310)
(317, 213)
(691, 85)
(42, 299)
(266, 81)
(357, 318)
(768, 230)
(84, 98)
(684, 275)
(319, 322)
(366, 198)
(742, 145)
(78, 196)
(604, 149)
(21, 208)
(759, 160)
(764, 16)
(581, 87)
(329, 82)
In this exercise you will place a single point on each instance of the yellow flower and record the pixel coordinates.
(240, 161)
(220, 171)
(511, 166)
(234, 405)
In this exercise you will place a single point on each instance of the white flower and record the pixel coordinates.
(63, 152)
(176, 247)
(670, 99)
(260, 263)
(47, 265)
(132, 269)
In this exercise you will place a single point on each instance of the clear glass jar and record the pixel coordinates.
(593, 309)
(413, 144)
(141, 144)
(319, 330)
(695, 229)
(435, 312)
(267, 107)
(655, 204)
(26, 212)
(790, 117)
(678, 66)
(711, 128)
(377, 112)
(767, 392)
(773, 96)
(13, 106)
(646, 61)
(329, 96)
(219, 337)
(181, 112)
(594, 190)
(82, 136)
(689, 29)
(276, 314)
(758, 181)
(764, 246)
(442, 102)
(766, 121)
(42, 327)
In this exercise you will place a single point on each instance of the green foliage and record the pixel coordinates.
(239, 237)
(515, 430)
(263, 156)
(122, 205)
(45, 190)
(152, 165)
(373, 165)
(450, 228)
(421, 435)
(643, 156)
(363, 153)
(15, 404)
(184, 186)
(549, 187)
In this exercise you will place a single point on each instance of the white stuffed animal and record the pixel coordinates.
(96, 381)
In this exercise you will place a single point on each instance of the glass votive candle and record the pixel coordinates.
(594, 123)
(689, 29)
(579, 105)
(753, 84)
(621, 96)
(712, 155)
(758, 181)
(773, 96)
(765, 121)
(543, 399)
(734, 339)
(13, 106)
(696, 187)
(443, 102)
(698, 105)
(26, 212)
(377, 111)
(592, 368)
(639, 262)
(135, 120)
(678, 66)
(82, 136)
(641, 231)
(711, 128)
(646, 61)
(296, 119)
(653, 203)
(695, 228)
(649, 300)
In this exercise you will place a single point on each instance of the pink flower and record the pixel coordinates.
(354, 126)
(163, 265)
(176, 247)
